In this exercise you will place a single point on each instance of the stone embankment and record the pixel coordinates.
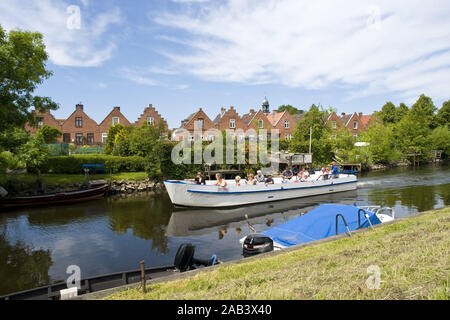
(127, 186)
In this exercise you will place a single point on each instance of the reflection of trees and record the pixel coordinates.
(147, 217)
(21, 267)
(65, 215)
(421, 197)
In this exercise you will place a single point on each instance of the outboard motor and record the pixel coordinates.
(184, 259)
(255, 244)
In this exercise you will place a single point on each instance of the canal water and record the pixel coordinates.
(114, 234)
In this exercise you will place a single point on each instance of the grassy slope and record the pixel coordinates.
(412, 254)
(66, 179)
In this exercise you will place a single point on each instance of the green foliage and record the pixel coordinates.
(73, 164)
(443, 115)
(382, 148)
(22, 68)
(440, 139)
(34, 154)
(287, 107)
(49, 134)
(322, 150)
(110, 141)
(12, 138)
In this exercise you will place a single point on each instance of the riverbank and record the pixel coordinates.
(126, 182)
(411, 254)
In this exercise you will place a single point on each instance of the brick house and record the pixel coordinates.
(113, 118)
(196, 121)
(284, 122)
(356, 123)
(256, 120)
(79, 128)
(45, 118)
(151, 116)
(230, 120)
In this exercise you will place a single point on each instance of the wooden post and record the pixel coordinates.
(144, 289)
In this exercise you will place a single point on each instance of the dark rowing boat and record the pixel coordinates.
(55, 198)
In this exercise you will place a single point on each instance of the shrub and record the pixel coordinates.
(74, 164)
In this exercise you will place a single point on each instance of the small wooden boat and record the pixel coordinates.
(189, 194)
(55, 198)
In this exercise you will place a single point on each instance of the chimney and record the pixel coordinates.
(79, 105)
(252, 111)
(118, 108)
(360, 114)
(223, 110)
(343, 114)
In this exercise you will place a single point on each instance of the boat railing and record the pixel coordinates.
(379, 210)
(366, 216)
(345, 223)
(348, 172)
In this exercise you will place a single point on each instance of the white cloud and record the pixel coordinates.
(86, 46)
(381, 46)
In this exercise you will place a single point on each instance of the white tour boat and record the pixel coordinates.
(189, 194)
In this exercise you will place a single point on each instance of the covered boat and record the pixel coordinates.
(322, 222)
(189, 194)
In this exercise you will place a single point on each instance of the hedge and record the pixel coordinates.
(74, 164)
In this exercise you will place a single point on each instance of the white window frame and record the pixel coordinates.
(104, 137)
(201, 123)
(150, 120)
(260, 124)
(114, 122)
(333, 124)
(355, 125)
(232, 123)
(286, 124)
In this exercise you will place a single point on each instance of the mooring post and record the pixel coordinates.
(144, 289)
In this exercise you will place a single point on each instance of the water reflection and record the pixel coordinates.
(21, 267)
(114, 234)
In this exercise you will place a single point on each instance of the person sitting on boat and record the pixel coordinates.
(269, 180)
(306, 176)
(287, 174)
(199, 179)
(298, 177)
(334, 170)
(237, 180)
(251, 179)
(260, 177)
(323, 174)
(221, 182)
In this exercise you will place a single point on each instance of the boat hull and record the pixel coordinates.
(191, 195)
(54, 199)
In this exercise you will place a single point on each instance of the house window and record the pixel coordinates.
(78, 122)
(211, 137)
(79, 138)
(150, 120)
(260, 124)
(104, 137)
(115, 120)
(355, 136)
(286, 124)
(200, 123)
(66, 137)
(90, 138)
(40, 122)
(288, 136)
(355, 125)
(333, 124)
(232, 123)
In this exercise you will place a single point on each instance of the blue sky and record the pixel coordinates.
(180, 55)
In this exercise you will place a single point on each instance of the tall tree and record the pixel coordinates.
(287, 107)
(387, 113)
(22, 68)
(443, 115)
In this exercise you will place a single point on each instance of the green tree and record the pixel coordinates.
(382, 148)
(387, 113)
(287, 107)
(49, 134)
(12, 138)
(22, 68)
(322, 144)
(440, 139)
(443, 115)
(113, 130)
(401, 111)
(35, 154)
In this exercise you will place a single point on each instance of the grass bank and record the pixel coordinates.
(412, 256)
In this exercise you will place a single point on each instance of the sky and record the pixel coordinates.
(180, 55)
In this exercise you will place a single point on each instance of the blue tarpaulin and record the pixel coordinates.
(319, 223)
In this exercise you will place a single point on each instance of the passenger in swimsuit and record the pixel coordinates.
(221, 182)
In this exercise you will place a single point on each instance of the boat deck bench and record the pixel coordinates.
(97, 168)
